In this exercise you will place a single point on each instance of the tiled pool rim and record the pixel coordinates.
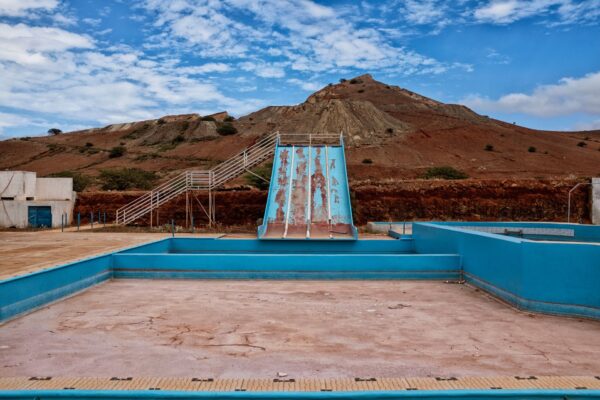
(531, 387)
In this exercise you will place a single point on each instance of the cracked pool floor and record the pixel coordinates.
(237, 329)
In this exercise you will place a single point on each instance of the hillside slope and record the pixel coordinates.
(401, 132)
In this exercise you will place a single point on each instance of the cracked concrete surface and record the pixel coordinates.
(226, 329)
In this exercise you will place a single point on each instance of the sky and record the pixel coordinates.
(75, 64)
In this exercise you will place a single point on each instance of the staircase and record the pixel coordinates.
(199, 179)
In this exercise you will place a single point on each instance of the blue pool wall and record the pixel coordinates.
(557, 278)
(256, 259)
(28, 292)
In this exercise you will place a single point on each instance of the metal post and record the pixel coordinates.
(104, 219)
(172, 228)
(187, 209)
(289, 199)
(78, 220)
(92, 220)
(328, 192)
(62, 222)
(192, 217)
(99, 218)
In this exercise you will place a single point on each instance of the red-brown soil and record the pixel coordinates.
(472, 199)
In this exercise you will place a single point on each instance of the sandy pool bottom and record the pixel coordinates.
(238, 329)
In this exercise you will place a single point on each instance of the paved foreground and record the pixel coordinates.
(316, 329)
(24, 252)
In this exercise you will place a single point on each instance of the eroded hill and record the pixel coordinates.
(391, 133)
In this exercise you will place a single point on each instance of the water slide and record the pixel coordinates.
(308, 194)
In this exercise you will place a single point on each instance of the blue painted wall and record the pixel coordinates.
(206, 245)
(27, 292)
(559, 278)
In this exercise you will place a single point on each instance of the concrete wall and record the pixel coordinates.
(596, 201)
(15, 213)
(23, 189)
(54, 189)
(17, 184)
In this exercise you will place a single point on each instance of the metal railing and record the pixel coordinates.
(228, 170)
(199, 180)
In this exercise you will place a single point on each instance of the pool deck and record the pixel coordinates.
(24, 252)
(249, 330)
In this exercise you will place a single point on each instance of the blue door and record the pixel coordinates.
(39, 216)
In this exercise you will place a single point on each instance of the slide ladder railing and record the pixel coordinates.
(228, 170)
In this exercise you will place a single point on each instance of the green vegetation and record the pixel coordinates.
(26, 138)
(264, 171)
(229, 118)
(89, 144)
(582, 144)
(208, 118)
(531, 149)
(127, 178)
(367, 161)
(147, 156)
(226, 129)
(178, 139)
(161, 121)
(444, 172)
(80, 181)
(342, 80)
(54, 131)
(390, 130)
(489, 147)
(117, 151)
(355, 81)
(361, 90)
(53, 147)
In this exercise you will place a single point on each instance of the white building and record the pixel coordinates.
(29, 201)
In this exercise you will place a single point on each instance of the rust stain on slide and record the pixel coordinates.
(282, 180)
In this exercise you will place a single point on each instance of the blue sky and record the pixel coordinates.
(74, 64)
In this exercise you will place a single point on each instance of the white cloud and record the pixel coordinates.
(265, 70)
(9, 120)
(205, 68)
(307, 35)
(587, 126)
(306, 85)
(66, 75)
(28, 45)
(424, 11)
(564, 11)
(568, 96)
(20, 8)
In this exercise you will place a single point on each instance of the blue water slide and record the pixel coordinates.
(309, 197)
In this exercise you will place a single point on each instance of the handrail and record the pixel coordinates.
(212, 178)
(199, 179)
